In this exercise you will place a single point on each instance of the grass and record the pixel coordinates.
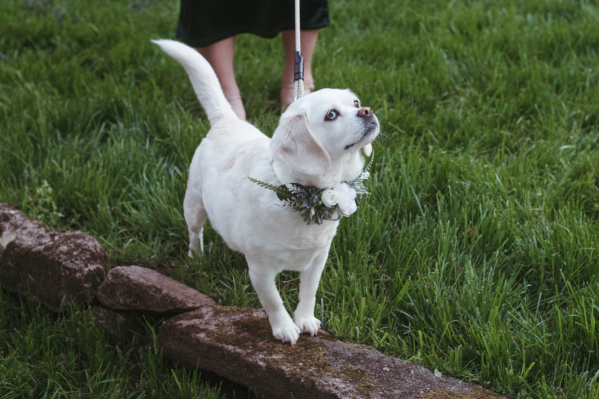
(476, 254)
(48, 356)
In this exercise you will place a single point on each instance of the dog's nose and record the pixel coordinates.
(364, 111)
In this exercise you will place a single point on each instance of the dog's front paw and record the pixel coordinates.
(308, 324)
(286, 332)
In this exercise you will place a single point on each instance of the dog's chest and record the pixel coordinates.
(286, 230)
(302, 236)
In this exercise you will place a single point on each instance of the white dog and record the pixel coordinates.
(317, 143)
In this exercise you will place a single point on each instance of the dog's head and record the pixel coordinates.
(323, 130)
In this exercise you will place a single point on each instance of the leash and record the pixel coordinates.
(298, 90)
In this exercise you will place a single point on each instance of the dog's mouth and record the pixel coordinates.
(372, 127)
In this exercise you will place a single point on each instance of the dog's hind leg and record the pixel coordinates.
(194, 237)
(195, 216)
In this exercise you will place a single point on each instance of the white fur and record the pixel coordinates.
(306, 149)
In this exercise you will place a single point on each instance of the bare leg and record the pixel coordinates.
(263, 281)
(220, 56)
(308, 39)
(309, 279)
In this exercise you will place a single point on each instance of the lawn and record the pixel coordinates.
(476, 253)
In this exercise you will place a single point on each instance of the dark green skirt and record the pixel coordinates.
(203, 22)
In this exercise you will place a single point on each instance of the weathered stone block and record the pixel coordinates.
(15, 226)
(57, 268)
(238, 344)
(115, 323)
(139, 288)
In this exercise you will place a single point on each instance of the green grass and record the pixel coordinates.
(48, 356)
(477, 253)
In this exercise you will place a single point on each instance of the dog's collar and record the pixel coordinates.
(286, 178)
(318, 204)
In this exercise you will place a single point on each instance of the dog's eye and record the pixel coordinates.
(356, 103)
(331, 115)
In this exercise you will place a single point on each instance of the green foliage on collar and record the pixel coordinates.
(307, 200)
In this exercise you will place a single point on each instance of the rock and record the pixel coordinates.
(15, 226)
(56, 268)
(138, 288)
(238, 344)
(115, 323)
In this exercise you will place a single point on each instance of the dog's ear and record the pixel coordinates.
(294, 143)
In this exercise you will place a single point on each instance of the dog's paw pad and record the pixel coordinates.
(287, 333)
(309, 324)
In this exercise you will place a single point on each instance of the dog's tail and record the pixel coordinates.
(203, 79)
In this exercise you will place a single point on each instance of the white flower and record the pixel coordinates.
(329, 197)
(346, 201)
(365, 176)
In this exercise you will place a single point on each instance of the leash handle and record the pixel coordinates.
(298, 70)
(299, 66)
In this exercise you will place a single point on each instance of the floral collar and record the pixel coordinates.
(320, 204)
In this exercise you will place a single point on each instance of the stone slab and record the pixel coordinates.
(15, 226)
(142, 289)
(238, 344)
(56, 268)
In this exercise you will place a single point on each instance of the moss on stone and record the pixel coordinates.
(363, 381)
(305, 359)
(479, 393)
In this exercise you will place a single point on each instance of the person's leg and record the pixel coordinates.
(308, 39)
(220, 56)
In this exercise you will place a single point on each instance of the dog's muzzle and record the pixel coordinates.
(370, 123)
